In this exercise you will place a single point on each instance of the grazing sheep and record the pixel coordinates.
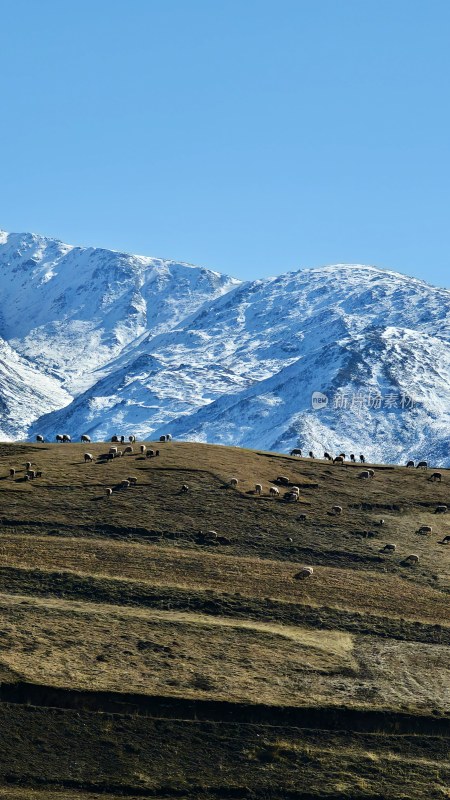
(132, 439)
(150, 454)
(59, 437)
(296, 452)
(143, 448)
(380, 522)
(290, 497)
(39, 438)
(327, 456)
(162, 438)
(352, 458)
(12, 472)
(436, 476)
(371, 472)
(274, 491)
(337, 510)
(412, 559)
(364, 474)
(283, 480)
(119, 453)
(445, 540)
(122, 439)
(289, 539)
(113, 451)
(258, 488)
(108, 492)
(425, 529)
(128, 449)
(233, 482)
(66, 437)
(311, 454)
(338, 460)
(114, 438)
(39, 474)
(210, 535)
(389, 548)
(342, 455)
(28, 465)
(410, 464)
(31, 474)
(441, 509)
(362, 459)
(85, 438)
(305, 572)
(422, 465)
(132, 480)
(156, 453)
(88, 457)
(295, 489)
(125, 484)
(184, 488)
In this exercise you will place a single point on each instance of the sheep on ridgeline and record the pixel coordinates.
(233, 482)
(283, 480)
(122, 439)
(422, 465)
(143, 448)
(339, 460)
(125, 484)
(411, 559)
(39, 438)
(305, 572)
(389, 548)
(132, 439)
(410, 464)
(311, 454)
(336, 510)
(59, 437)
(114, 438)
(88, 457)
(296, 452)
(327, 456)
(85, 438)
(132, 480)
(66, 437)
(362, 459)
(258, 488)
(274, 491)
(425, 530)
(12, 472)
(436, 476)
(441, 509)
(343, 455)
(184, 489)
(352, 458)
(150, 454)
(108, 492)
(127, 450)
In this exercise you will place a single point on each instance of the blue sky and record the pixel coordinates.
(250, 136)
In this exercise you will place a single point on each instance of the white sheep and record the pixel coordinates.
(412, 559)
(441, 509)
(258, 488)
(184, 488)
(12, 472)
(143, 448)
(337, 510)
(132, 480)
(108, 492)
(291, 497)
(211, 535)
(338, 460)
(128, 449)
(365, 475)
(233, 482)
(274, 491)
(88, 457)
(425, 529)
(86, 438)
(125, 484)
(39, 438)
(305, 572)
(371, 472)
(28, 465)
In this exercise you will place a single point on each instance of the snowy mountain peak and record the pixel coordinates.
(121, 343)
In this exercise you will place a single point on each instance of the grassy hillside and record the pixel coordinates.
(139, 657)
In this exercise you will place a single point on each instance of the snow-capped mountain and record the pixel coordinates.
(144, 346)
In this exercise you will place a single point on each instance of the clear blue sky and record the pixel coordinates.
(250, 136)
